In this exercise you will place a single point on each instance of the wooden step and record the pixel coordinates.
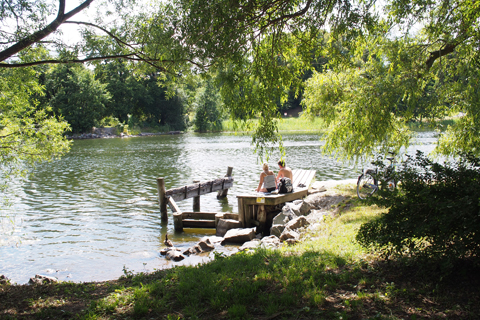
(191, 223)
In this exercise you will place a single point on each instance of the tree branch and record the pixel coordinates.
(449, 48)
(40, 34)
(57, 61)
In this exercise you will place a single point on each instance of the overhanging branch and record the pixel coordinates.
(40, 34)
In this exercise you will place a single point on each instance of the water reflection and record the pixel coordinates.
(87, 215)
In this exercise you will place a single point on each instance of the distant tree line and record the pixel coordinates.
(111, 93)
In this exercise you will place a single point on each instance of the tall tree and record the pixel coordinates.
(77, 96)
(208, 112)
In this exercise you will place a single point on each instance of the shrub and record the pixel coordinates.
(433, 214)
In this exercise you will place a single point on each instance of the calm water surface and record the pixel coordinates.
(94, 212)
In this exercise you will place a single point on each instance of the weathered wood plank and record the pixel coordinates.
(173, 205)
(309, 178)
(189, 223)
(198, 189)
(302, 177)
(199, 215)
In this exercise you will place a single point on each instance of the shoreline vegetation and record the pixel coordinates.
(328, 275)
(288, 124)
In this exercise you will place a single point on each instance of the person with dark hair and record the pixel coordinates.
(284, 170)
(284, 178)
(267, 180)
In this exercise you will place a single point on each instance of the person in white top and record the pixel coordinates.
(268, 183)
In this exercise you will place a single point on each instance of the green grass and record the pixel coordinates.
(317, 125)
(285, 124)
(326, 276)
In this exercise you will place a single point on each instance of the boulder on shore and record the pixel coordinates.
(3, 279)
(299, 207)
(174, 255)
(283, 217)
(289, 234)
(203, 245)
(296, 223)
(40, 279)
(239, 235)
(277, 229)
(226, 224)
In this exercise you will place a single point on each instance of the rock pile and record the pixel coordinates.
(287, 227)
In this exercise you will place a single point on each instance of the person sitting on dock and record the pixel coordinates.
(267, 179)
(284, 171)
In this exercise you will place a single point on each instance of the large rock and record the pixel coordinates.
(316, 187)
(204, 245)
(174, 255)
(324, 201)
(289, 234)
(226, 224)
(193, 250)
(212, 239)
(271, 242)
(277, 229)
(296, 223)
(239, 235)
(299, 207)
(283, 217)
(316, 216)
(40, 279)
(250, 245)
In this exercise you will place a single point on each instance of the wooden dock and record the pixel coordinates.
(194, 219)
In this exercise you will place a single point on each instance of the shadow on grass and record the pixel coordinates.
(261, 285)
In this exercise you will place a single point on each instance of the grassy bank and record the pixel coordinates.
(284, 125)
(327, 276)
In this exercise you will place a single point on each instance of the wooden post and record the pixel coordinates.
(223, 193)
(218, 216)
(196, 200)
(161, 198)
(178, 221)
(261, 218)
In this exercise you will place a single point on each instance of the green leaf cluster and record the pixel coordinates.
(28, 134)
(434, 214)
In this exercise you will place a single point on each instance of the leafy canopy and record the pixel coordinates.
(434, 214)
(388, 63)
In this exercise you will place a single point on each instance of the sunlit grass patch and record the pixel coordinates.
(297, 124)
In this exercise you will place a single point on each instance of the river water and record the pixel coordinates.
(94, 213)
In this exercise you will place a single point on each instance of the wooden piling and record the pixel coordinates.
(223, 193)
(177, 214)
(162, 201)
(196, 200)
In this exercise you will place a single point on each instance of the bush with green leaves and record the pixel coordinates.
(433, 214)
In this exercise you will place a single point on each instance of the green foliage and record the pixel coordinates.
(27, 133)
(124, 89)
(433, 214)
(208, 113)
(143, 101)
(75, 95)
